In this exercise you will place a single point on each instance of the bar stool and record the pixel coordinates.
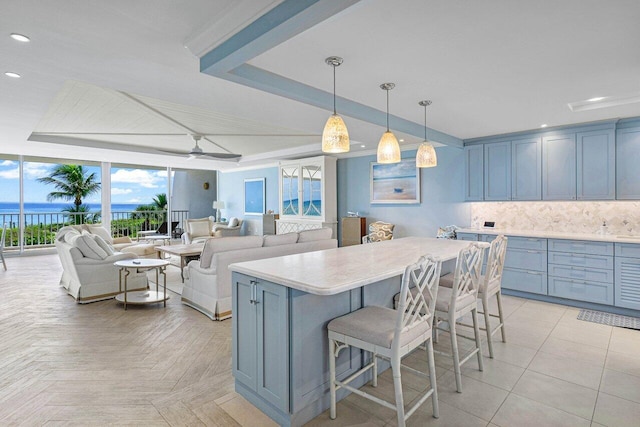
(461, 298)
(490, 285)
(391, 334)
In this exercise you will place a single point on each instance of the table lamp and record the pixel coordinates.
(218, 205)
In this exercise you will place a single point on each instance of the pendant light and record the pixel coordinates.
(426, 156)
(335, 137)
(388, 147)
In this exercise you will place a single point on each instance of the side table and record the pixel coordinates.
(142, 297)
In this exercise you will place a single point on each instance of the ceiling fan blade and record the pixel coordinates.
(180, 153)
(223, 155)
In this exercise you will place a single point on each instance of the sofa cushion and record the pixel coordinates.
(88, 247)
(225, 244)
(199, 228)
(233, 222)
(140, 250)
(99, 230)
(103, 244)
(312, 235)
(280, 239)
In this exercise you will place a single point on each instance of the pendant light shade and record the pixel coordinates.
(426, 156)
(335, 137)
(388, 147)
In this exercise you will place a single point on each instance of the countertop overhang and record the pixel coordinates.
(333, 271)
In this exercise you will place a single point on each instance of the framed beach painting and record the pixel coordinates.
(395, 183)
(254, 196)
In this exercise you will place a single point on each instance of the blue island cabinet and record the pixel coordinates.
(271, 323)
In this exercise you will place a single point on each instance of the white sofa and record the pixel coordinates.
(88, 273)
(207, 285)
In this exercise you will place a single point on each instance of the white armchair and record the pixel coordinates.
(233, 228)
(197, 230)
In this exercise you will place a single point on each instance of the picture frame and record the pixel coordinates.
(254, 196)
(394, 183)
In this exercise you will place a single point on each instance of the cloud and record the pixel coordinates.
(134, 200)
(10, 174)
(33, 170)
(7, 163)
(119, 191)
(143, 178)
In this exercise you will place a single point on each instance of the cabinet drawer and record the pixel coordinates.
(601, 293)
(534, 282)
(581, 247)
(487, 237)
(527, 243)
(628, 250)
(581, 273)
(526, 259)
(580, 260)
(467, 236)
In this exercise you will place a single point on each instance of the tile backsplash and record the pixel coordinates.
(578, 217)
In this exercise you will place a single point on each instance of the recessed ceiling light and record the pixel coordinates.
(596, 99)
(13, 75)
(362, 146)
(544, 125)
(20, 37)
(401, 140)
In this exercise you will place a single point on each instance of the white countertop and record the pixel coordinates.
(333, 271)
(554, 235)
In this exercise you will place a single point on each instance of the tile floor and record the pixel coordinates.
(67, 364)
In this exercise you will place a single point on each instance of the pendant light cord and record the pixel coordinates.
(387, 110)
(425, 122)
(334, 89)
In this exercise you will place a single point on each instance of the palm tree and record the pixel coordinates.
(72, 182)
(154, 213)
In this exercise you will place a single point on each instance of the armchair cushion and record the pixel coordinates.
(88, 247)
(313, 235)
(233, 222)
(280, 239)
(103, 244)
(199, 228)
(99, 230)
(121, 240)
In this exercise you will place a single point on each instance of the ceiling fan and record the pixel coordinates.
(197, 152)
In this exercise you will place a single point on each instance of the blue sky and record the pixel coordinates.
(128, 185)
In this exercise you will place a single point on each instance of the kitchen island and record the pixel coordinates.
(281, 307)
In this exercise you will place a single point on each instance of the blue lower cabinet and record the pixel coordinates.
(580, 290)
(261, 342)
(525, 259)
(467, 236)
(531, 281)
(627, 289)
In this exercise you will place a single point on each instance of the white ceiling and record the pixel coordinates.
(490, 67)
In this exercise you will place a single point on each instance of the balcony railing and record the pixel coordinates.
(40, 228)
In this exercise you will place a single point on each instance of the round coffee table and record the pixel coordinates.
(142, 297)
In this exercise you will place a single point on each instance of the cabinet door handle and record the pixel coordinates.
(253, 284)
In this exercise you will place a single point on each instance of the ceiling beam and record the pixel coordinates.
(291, 17)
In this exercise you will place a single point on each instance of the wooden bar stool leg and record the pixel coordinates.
(487, 323)
(501, 316)
(476, 331)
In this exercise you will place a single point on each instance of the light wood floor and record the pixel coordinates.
(67, 364)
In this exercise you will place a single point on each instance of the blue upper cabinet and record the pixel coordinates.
(526, 169)
(596, 161)
(559, 167)
(474, 166)
(627, 160)
(497, 171)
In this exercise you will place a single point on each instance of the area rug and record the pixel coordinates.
(174, 281)
(609, 319)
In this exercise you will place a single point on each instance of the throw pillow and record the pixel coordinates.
(233, 221)
(99, 230)
(88, 247)
(103, 244)
(199, 228)
(313, 235)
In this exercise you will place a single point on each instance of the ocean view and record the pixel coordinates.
(14, 207)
